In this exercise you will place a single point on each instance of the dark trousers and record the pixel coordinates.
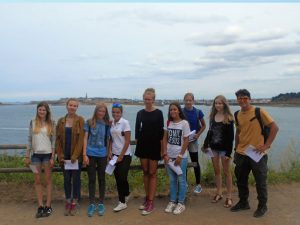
(197, 169)
(243, 166)
(97, 166)
(72, 183)
(121, 174)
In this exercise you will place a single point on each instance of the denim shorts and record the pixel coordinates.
(219, 153)
(38, 159)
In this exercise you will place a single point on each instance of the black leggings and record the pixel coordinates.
(197, 169)
(96, 165)
(121, 174)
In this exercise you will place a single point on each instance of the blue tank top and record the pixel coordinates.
(68, 140)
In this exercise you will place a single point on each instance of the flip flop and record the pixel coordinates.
(228, 203)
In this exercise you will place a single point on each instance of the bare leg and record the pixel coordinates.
(145, 167)
(152, 179)
(48, 180)
(218, 178)
(38, 186)
(228, 176)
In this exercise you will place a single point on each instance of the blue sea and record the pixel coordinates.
(14, 122)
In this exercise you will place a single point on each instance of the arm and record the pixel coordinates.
(137, 126)
(273, 132)
(203, 126)
(85, 157)
(164, 155)
(229, 134)
(183, 149)
(78, 148)
(58, 143)
(53, 138)
(125, 147)
(29, 146)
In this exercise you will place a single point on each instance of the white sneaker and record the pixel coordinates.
(127, 198)
(179, 209)
(170, 207)
(198, 189)
(120, 207)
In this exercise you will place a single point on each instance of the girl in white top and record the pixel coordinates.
(41, 146)
(120, 147)
(175, 144)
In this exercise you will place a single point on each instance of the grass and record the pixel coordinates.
(288, 172)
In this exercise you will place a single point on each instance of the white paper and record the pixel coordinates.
(208, 152)
(177, 169)
(71, 166)
(110, 169)
(113, 160)
(33, 168)
(192, 136)
(256, 156)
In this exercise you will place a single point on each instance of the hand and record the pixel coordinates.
(73, 160)
(226, 158)
(86, 160)
(177, 161)
(120, 158)
(27, 161)
(203, 149)
(261, 148)
(61, 162)
(109, 156)
(197, 136)
(51, 161)
(166, 159)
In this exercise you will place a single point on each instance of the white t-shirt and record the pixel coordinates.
(118, 137)
(176, 133)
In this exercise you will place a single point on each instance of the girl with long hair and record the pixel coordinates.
(41, 147)
(95, 146)
(69, 144)
(220, 139)
(176, 140)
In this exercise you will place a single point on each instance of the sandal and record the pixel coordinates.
(228, 203)
(216, 198)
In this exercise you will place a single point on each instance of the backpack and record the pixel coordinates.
(265, 131)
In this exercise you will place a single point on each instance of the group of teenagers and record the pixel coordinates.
(96, 141)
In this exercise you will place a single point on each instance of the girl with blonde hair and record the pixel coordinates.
(95, 146)
(220, 139)
(41, 147)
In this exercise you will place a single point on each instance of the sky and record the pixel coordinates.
(56, 50)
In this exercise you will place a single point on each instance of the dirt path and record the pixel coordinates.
(284, 209)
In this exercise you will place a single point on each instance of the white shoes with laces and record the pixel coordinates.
(179, 209)
(120, 207)
(170, 207)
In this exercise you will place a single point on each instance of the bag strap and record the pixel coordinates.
(236, 117)
(258, 116)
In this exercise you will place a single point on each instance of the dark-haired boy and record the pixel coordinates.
(249, 132)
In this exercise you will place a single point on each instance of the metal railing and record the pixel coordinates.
(57, 168)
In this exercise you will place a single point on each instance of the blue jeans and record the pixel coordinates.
(178, 182)
(72, 183)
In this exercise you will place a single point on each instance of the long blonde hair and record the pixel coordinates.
(48, 120)
(93, 120)
(228, 117)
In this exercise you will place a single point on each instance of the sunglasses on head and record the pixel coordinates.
(116, 105)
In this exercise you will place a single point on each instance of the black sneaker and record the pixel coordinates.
(260, 211)
(240, 206)
(40, 212)
(47, 211)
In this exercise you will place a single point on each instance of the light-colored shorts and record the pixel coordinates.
(219, 153)
(193, 146)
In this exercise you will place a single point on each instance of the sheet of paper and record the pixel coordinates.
(192, 136)
(113, 160)
(208, 152)
(176, 169)
(109, 169)
(71, 166)
(256, 156)
(33, 168)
